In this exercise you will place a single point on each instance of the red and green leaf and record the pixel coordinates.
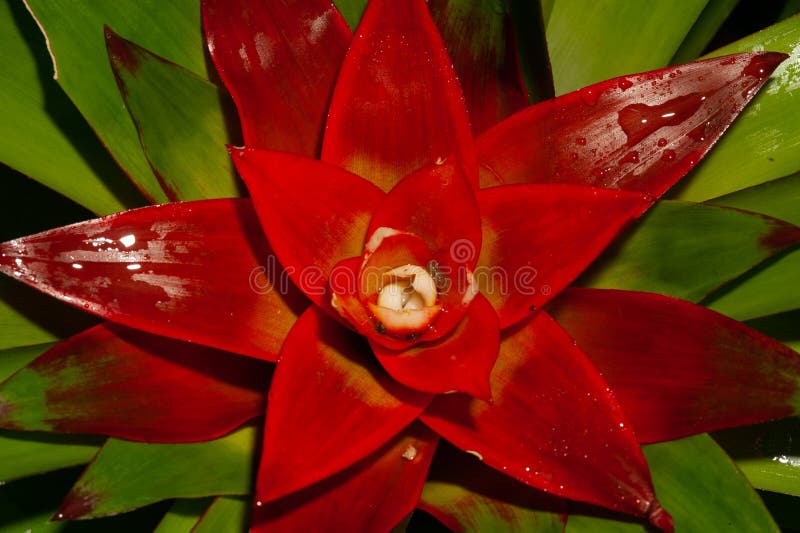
(114, 381)
(480, 41)
(677, 368)
(640, 133)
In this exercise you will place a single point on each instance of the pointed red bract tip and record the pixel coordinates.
(764, 64)
(660, 518)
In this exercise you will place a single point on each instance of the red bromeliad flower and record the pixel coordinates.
(437, 256)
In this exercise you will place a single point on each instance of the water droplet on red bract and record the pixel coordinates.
(640, 120)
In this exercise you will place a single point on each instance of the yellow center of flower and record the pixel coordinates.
(408, 287)
(406, 302)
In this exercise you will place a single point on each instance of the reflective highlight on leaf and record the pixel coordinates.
(154, 268)
(641, 132)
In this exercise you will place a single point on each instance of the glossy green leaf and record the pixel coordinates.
(768, 454)
(699, 485)
(226, 515)
(529, 21)
(774, 287)
(351, 10)
(704, 29)
(42, 134)
(764, 142)
(126, 475)
(593, 41)
(688, 250)
(75, 33)
(183, 515)
(181, 119)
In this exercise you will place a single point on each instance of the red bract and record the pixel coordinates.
(427, 291)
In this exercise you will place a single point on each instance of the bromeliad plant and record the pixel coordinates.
(430, 236)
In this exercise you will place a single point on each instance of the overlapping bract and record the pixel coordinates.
(397, 153)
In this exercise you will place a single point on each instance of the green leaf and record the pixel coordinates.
(74, 29)
(768, 290)
(774, 287)
(23, 454)
(28, 317)
(699, 485)
(593, 41)
(126, 475)
(782, 327)
(762, 145)
(183, 516)
(42, 134)
(768, 454)
(28, 504)
(226, 515)
(777, 198)
(704, 29)
(688, 250)
(181, 119)
(351, 10)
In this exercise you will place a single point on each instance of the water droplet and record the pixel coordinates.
(640, 120)
(760, 66)
(573, 156)
(589, 95)
(625, 84)
(668, 155)
(259, 503)
(581, 141)
(134, 266)
(699, 133)
(410, 453)
(662, 142)
(631, 157)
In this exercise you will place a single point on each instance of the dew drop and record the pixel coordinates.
(662, 142)
(640, 120)
(760, 66)
(631, 157)
(581, 141)
(668, 155)
(698, 134)
(589, 95)
(625, 84)
(259, 503)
